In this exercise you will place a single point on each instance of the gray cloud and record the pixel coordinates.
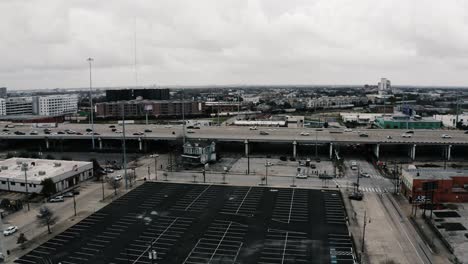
(46, 43)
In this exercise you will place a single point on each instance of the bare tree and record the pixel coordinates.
(21, 240)
(114, 184)
(47, 217)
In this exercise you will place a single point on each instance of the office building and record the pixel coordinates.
(139, 108)
(384, 87)
(55, 105)
(132, 94)
(2, 107)
(65, 174)
(3, 92)
(19, 106)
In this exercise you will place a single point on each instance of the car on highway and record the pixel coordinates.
(466, 132)
(88, 130)
(78, 133)
(348, 130)
(168, 126)
(409, 132)
(446, 136)
(389, 137)
(10, 230)
(303, 133)
(138, 134)
(190, 131)
(60, 133)
(148, 130)
(406, 135)
(363, 135)
(70, 132)
(118, 131)
(6, 130)
(111, 126)
(34, 132)
(19, 133)
(264, 133)
(253, 128)
(56, 199)
(301, 176)
(118, 178)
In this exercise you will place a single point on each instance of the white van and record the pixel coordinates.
(354, 165)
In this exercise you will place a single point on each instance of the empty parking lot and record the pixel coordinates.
(193, 223)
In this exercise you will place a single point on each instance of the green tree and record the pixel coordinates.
(21, 240)
(48, 187)
(47, 217)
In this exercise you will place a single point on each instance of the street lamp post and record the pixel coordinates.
(25, 168)
(74, 202)
(90, 60)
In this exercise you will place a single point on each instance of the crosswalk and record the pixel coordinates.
(374, 189)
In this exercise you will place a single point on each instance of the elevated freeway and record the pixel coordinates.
(295, 136)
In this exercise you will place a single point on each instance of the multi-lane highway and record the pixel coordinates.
(239, 134)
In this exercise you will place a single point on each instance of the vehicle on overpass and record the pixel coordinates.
(303, 133)
(445, 136)
(406, 135)
(264, 133)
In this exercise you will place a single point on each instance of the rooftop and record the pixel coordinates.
(435, 174)
(38, 169)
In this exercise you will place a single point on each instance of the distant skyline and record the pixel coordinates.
(45, 44)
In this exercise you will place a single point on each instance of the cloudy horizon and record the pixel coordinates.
(45, 44)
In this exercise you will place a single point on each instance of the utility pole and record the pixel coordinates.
(248, 163)
(74, 202)
(123, 147)
(183, 116)
(102, 185)
(266, 172)
(316, 138)
(364, 233)
(91, 110)
(25, 168)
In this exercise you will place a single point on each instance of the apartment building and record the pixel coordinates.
(55, 105)
(2, 107)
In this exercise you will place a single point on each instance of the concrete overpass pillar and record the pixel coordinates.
(140, 144)
(246, 143)
(294, 149)
(100, 143)
(377, 150)
(47, 145)
(449, 152)
(331, 150)
(413, 152)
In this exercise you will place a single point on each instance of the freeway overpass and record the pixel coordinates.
(377, 138)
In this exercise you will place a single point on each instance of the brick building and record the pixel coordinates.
(452, 185)
(138, 108)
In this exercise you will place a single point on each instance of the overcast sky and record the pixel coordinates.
(44, 44)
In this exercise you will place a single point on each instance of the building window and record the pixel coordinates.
(12, 183)
(34, 185)
(22, 184)
(3, 182)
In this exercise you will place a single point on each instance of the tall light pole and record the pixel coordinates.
(155, 156)
(90, 60)
(25, 168)
(124, 150)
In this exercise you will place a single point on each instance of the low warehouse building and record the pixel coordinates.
(448, 186)
(15, 172)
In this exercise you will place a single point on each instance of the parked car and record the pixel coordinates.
(283, 158)
(446, 136)
(264, 133)
(196, 127)
(68, 194)
(56, 199)
(303, 133)
(108, 170)
(10, 230)
(148, 130)
(354, 165)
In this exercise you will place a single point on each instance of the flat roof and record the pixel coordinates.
(435, 174)
(11, 168)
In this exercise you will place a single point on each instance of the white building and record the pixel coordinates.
(19, 106)
(55, 105)
(385, 87)
(361, 118)
(451, 120)
(65, 174)
(2, 107)
(335, 101)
